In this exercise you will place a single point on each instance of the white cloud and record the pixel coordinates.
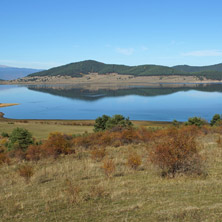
(203, 53)
(125, 51)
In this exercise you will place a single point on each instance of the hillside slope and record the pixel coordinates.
(186, 68)
(89, 66)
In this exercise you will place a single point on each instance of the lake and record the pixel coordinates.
(159, 102)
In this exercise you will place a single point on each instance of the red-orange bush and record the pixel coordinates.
(56, 144)
(113, 138)
(108, 167)
(176, 151)
(98, 153)
(26, 172)
(4, 159)
(134, 160)
(34, 152)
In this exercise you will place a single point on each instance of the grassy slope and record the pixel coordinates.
(40, 129)
(74, 188)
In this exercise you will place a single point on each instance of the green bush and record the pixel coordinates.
(175, 123)
(215, 120)
(100, 123)
(118, 121)
(197, 121)
(107, 122)
(4, 135)
(20, 139)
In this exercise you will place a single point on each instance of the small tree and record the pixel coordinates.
(215, 120)
(175, 123)
(100, 123)
(197, 121)
(118, 121)
(107, 122)
(20, 139)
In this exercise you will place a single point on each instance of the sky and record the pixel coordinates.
(48, 33)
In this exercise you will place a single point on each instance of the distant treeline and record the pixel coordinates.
(79, 69)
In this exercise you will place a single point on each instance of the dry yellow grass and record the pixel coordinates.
(41, 128)
(75, 188)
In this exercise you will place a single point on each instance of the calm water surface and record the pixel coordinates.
(158, 102)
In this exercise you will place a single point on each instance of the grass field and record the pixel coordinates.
(75, 188)
(41, 128)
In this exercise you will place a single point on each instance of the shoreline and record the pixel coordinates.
(76, 120)
(111, 79)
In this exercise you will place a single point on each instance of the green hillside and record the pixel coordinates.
(79, 69)
(216, 75)
(186, 68)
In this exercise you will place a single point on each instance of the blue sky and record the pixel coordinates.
(48, 33)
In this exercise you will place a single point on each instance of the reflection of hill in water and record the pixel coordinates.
(95, 94)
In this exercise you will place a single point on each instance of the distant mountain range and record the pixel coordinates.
(78, 69)
(9, 73)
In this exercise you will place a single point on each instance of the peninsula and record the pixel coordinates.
(94, 72)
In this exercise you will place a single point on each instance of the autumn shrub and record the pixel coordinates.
(113, 138)
(98, 153)
(108, 167)
(26, 171)
(56, 144)
(219, 141)
(87, 141)
(34, 152)
(4, 159)
(17, 154)
(134, 160)
(177, 152)
(3, 144)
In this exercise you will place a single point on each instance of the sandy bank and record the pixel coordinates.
(111, 79)
(8, 104)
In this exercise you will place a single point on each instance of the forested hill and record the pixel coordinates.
(186, 68)
(79, 69)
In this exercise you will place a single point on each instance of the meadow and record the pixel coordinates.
(41, 128)
(111, 178)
